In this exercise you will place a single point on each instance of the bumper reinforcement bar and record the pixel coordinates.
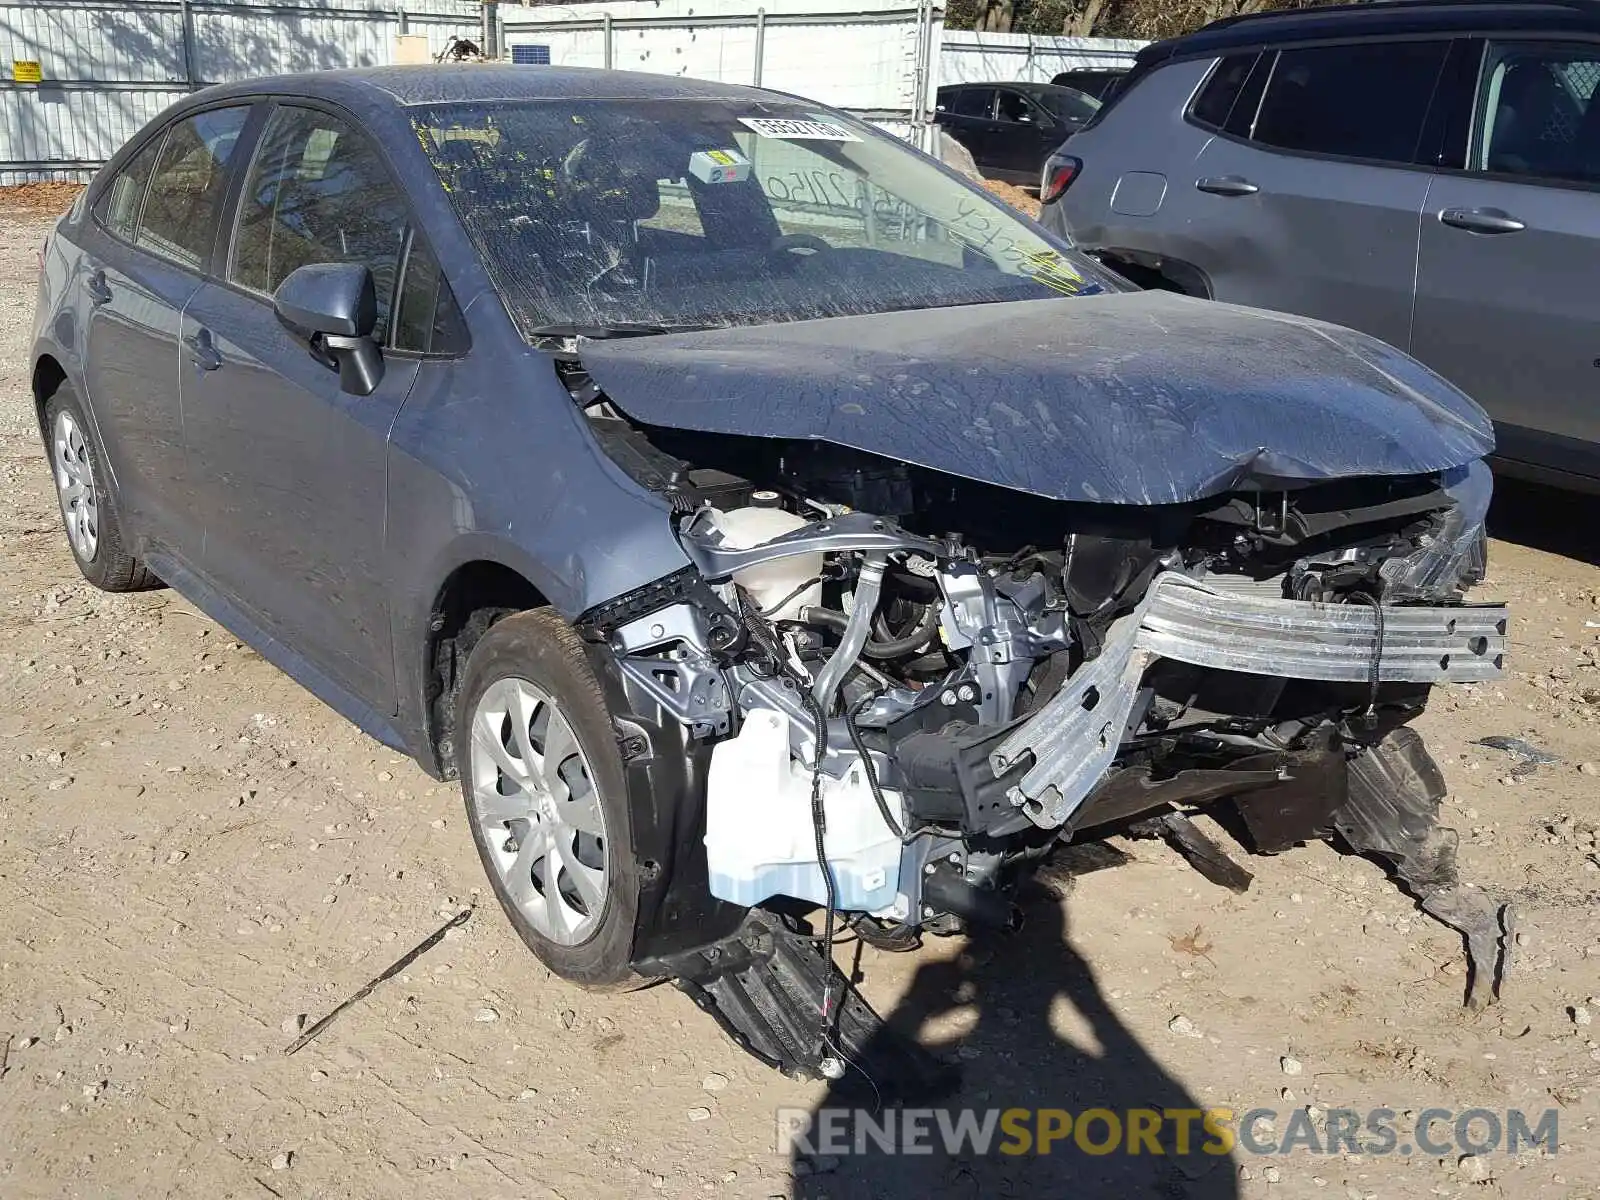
(1075, 737)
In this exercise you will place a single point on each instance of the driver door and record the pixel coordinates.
(291, 471)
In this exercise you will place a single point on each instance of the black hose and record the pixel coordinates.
(1375, 666)
(835, 620)
(870, 767)
(772, 608)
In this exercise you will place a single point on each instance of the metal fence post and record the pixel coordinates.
(186, 22)
(605, 32)
(761, 42)
(491, 29)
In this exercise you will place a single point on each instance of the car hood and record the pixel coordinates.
(1128, 398)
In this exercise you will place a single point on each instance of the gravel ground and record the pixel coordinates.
(196, 857)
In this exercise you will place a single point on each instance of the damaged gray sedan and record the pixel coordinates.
(773, 532)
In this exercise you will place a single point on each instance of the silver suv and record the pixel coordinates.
(1425, 172)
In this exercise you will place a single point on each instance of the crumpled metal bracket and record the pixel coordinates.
(1392, 812)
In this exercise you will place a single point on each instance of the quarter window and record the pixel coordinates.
(1361, 101)
(1538, 113)
(427, 320)
(1221, 89)
(318, 193)
(118, 206)
(180, 205)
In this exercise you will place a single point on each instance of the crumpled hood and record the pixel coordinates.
(1129, 398)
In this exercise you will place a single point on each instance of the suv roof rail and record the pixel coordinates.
(1373, 17)
(1368, 8)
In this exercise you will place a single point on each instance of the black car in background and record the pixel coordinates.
(1011, 128)
(1099, 83)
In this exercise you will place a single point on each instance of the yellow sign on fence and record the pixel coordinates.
(24, 70)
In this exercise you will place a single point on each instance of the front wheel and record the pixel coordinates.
(546, 800)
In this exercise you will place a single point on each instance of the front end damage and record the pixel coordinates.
(900, 724)
(901, 682)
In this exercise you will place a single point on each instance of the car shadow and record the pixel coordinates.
(1546, 518)
(1014, 1058)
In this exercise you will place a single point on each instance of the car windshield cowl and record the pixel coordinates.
(616, 218)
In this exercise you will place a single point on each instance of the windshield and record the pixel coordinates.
(1068, 104)
(635, 215)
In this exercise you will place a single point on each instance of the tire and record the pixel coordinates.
(89, 511)
(534, 662)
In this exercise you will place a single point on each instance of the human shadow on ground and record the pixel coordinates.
(1014, 1058)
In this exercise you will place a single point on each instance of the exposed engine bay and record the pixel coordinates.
(915, 685)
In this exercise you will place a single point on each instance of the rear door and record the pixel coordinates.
(154, 226)
(967, 111)
(291, 471)
(1311, 204)
(1508, 276)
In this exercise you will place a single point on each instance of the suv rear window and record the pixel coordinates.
(1360, 101)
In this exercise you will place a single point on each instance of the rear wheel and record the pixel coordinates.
(88, 507)
(543, 782)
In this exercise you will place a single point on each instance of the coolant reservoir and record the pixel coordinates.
(770, 583)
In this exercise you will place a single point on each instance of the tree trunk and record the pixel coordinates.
(1082, 22)
(999, 16)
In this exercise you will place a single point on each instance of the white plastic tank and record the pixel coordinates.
(770, 583)
(760, 838)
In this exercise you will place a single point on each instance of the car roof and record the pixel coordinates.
(456, 82)
(1016, 85)
(1387, 19)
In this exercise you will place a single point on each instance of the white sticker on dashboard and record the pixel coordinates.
(814, 131)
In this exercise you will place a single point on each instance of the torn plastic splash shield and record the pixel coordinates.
(1073, 739)
(1136, 398)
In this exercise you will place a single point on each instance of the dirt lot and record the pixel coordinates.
(194, 852)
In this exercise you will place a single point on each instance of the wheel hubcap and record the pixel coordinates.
(75, 487)
(537, 810)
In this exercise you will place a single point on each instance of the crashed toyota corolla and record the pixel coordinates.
(758, 518)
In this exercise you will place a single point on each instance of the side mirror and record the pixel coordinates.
(336, 305)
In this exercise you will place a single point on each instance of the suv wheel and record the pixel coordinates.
(543, 782)
(88, 507)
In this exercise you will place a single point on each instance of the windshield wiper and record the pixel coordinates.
(615, 329)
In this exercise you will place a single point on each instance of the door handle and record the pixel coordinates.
(1481, 220)
(98, 291)
(1226, 185)
(203, 351)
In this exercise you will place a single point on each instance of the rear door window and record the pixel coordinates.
(1359, 101)
(1537, 112)
(318, 192)
(973, 102)
(1215, 100)
(178, 218)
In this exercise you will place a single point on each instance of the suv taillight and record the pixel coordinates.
(1059, 172)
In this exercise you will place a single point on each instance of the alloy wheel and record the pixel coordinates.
(75, 486)
(537, 810)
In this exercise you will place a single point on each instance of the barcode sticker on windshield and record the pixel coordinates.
(814, 131)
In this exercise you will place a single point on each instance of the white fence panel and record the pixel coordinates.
(53, 129)
(871, 57)
(132, 42)
(111, 66)
(969, 57)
